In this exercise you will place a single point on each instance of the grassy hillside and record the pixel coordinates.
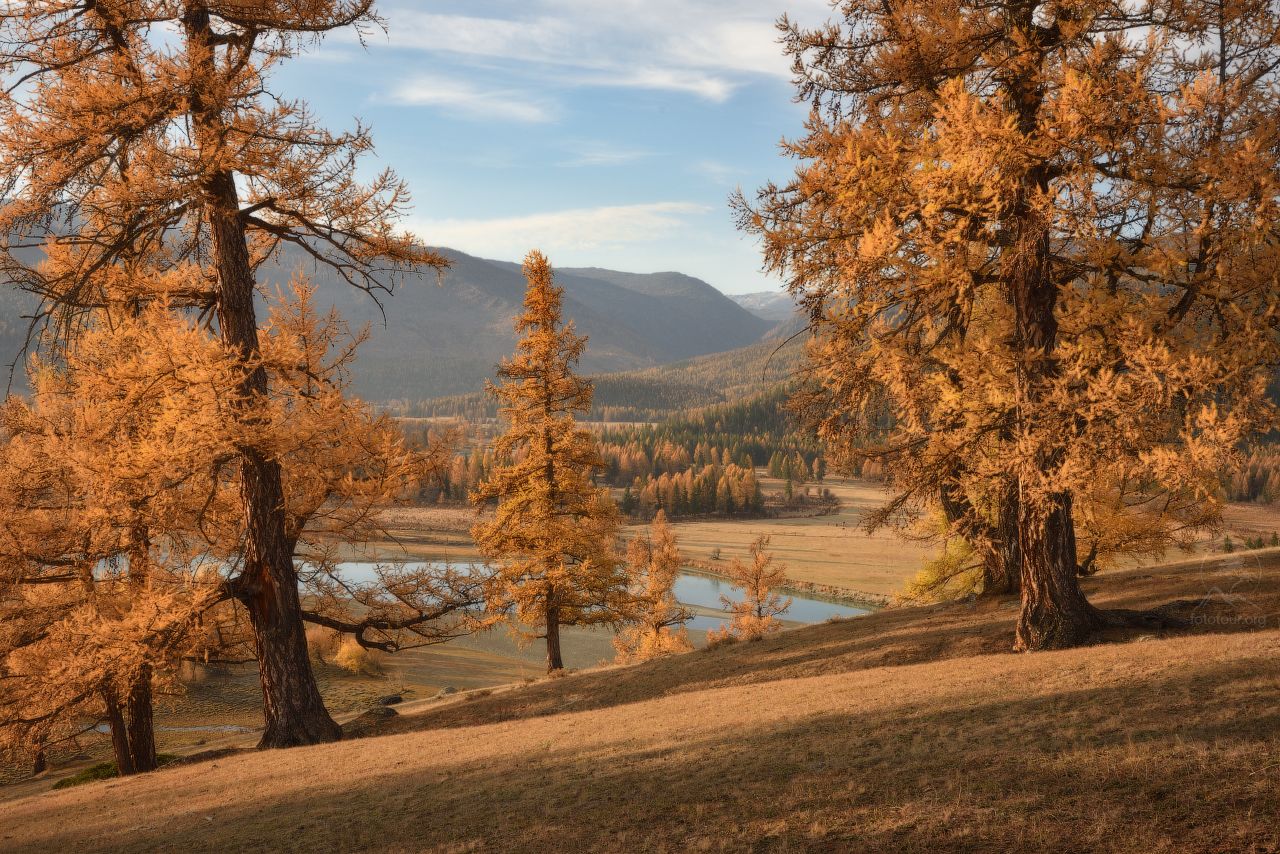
(907, 730)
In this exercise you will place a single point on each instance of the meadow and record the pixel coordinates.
(221, 707)
(912, 729)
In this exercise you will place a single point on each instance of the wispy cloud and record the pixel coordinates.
(566, 231)
(464, 98)
(595, 153)
(704, 48)
(715, 171)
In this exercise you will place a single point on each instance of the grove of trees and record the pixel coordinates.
(181, 456)
(1043, 239)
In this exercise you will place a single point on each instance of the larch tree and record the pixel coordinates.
(1046, 235)
(121, 550)
(553, 533)
(142, 125)
(756, 614)
(657, 628)
(343, 465)
(107, 477)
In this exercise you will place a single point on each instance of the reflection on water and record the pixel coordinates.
(705, 592)
(694, 590)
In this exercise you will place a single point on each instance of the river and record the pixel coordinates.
(694, 590)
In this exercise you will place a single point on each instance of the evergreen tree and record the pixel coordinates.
(552, 535)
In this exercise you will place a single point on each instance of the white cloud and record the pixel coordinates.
(464, 98)
(560, 232)
(705, 48)
(715, 171)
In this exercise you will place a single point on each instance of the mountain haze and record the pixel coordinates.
(444, 335)
(773, 306)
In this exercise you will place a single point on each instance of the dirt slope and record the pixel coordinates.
(908, 730)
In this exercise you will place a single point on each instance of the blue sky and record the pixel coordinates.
(604, 132)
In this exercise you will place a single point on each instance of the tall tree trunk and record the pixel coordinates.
(138, 707)
(119, 735)
(294, 711)
(1055, 613)
(1002, 568)
(142, 737)
(554, 661)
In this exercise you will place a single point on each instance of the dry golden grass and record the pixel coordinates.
(831, 549)
(907, 730)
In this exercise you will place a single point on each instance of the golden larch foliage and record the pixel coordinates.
(657, 629)
(552, 536)
(148, 132)
(1039, 244)
(756, 614)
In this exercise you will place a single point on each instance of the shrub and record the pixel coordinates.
(351, 656)
(720, 637)
(322, 643)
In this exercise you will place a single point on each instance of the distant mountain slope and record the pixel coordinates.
(773, 306)
(444, 336)
(660, 392)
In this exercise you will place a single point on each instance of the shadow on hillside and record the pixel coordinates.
(1176, 763)
(1213, 602)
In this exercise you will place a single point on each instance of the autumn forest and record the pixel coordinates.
(718, 573)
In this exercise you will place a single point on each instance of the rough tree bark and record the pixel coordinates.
(119, 735)
(268, 584)
(1054, 612)
(1002, 570)
(142, 737)
(554, 661)
(138, 705)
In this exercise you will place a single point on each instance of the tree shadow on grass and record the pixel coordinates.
(1175, 763)
(889, 638)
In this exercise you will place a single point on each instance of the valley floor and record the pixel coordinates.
(911, 729)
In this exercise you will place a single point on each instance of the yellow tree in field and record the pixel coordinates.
(756, 615)
(1046, 235)
(553, 533)
(653, 562)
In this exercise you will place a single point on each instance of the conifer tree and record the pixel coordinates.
(653, 564)
(553, 533)
(108, 474)
(221, 172)
(120, 548)
(1046, 234)
(756, 615)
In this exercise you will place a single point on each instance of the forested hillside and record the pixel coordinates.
(657, 393)
(703, 463)
(440, 335)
